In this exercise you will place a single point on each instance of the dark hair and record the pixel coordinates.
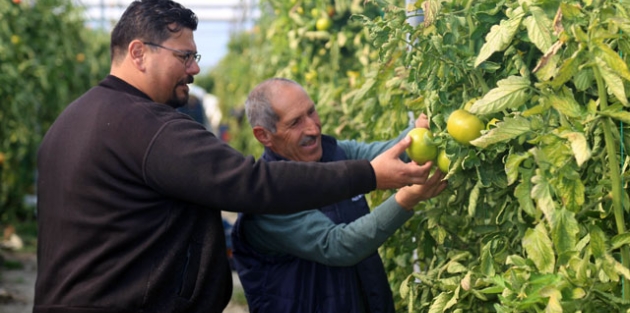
(150, 21)
(258, 104)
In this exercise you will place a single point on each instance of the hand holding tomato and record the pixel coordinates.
(409, 196)
(422, 148)
(392, 172)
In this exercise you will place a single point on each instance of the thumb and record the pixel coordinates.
(400, 147)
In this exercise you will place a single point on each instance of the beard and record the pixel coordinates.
(178, 102)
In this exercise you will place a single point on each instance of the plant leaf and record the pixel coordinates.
(614, 84)
(465, 283)
(512, 163)
(619, 268)
(430, 10)
(571, 191)
(567, 70)
(620, 240)
(453, 300)
(456, 267)
(367, 86)
(439, 303)
(564, 104)
(487, 263)
(617, 113)
(472, 200)
(564, 230)
(509, 129)
(580, 148)
(499, 38)
(621, 22)
(541, 192)
(612, 60)
(554, 306)
(539, 28)
(539, 249)
(509, 93)
(522, 192)
(546, 67)
(404, 287)
(598, 242)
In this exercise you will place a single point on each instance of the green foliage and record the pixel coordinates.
(538, 198)
(534, 218)
(47, 58)
(285, 43)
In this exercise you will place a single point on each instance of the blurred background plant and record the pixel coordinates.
(47, 59)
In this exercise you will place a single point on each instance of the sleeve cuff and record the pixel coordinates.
(391, 215)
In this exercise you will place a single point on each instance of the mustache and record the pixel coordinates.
(188, 80)
(306, 139)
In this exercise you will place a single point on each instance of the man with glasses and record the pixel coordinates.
(186, 56)
(130, 191)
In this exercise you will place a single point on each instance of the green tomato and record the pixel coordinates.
(464, 126)
(323, 23)
(443, 162)
(422, 149)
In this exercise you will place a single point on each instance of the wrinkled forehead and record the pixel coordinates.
(290, 101)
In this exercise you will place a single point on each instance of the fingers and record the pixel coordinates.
(409, 196)
(418, 174)
(436, 184)
(422, 121)
(392, 172)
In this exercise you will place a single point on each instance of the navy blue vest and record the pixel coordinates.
(287, 284)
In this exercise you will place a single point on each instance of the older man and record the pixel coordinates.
(322, 260)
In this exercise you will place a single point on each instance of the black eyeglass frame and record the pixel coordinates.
(187, 56)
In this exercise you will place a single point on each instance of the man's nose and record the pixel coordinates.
(193, 69)
(313, 126)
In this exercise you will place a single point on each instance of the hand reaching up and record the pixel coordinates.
(409, 196)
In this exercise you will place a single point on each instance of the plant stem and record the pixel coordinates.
(471, 26)
(615, 178)
(480, 81)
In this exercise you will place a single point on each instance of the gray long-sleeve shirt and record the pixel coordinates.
(311, 235)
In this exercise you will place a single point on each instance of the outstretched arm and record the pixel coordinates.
(311, 235)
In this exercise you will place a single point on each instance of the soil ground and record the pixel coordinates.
(17, 281)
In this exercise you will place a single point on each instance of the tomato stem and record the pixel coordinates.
(615, 177)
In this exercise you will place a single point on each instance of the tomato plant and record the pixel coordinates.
(529, 187)
(422, 149)
(41, 73)
(534, 218)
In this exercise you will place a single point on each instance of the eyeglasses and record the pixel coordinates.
(186, 56)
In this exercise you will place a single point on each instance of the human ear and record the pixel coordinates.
(262, 135)
(137, 51)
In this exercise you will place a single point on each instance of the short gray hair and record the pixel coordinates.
(258, 104)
